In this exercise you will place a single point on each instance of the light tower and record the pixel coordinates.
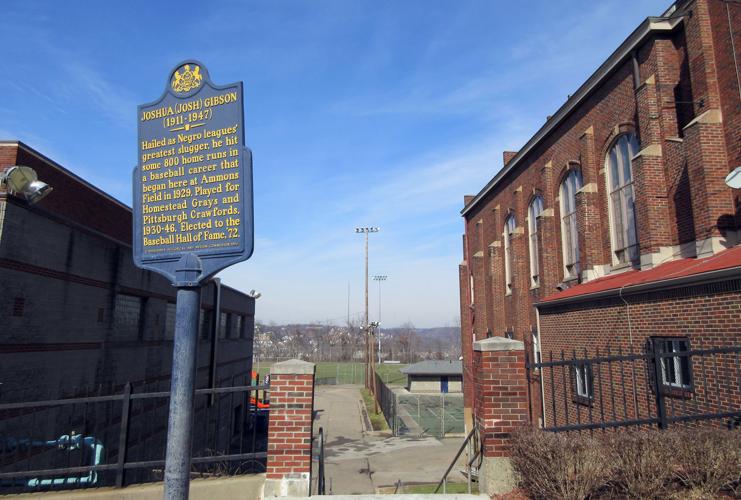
(379, 278)
(366, 231)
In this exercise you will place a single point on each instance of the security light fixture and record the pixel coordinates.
(23, 182)
(733, 180)
(255, 295)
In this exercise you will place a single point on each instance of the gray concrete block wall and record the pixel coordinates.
(61, 346)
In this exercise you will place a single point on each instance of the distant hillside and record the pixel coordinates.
(323, 341)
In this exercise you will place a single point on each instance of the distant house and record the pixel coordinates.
(434, 376)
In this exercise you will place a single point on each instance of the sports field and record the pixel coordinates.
(333, 372)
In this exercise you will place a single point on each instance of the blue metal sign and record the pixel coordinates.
(193, 212)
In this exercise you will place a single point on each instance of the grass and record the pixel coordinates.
(391, 374)
(429, 488)
(378, 421)
(346, 372)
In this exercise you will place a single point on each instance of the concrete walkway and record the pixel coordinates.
(358, 462)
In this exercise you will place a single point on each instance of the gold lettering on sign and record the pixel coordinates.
(190, 177)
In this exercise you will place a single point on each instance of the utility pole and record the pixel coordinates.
(379, 278)
(366, 231)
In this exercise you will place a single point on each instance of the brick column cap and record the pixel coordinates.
(293, 367)
(498, 344)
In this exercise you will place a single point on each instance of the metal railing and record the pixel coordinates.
(473, 444)
(656, 387)
(320, 482)
(119, 439)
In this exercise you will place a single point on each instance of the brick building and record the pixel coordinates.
(612, 228)
(78, 318)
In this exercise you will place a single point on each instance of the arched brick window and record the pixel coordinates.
(622, 204)
(535, 208)
(509, 230)
(569, 236)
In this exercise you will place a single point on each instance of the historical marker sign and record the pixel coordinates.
(193, 181)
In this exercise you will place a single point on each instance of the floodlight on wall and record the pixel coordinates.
(255, 295)
(733, 179)
(23, 182)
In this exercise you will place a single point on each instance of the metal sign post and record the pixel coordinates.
(193, 217)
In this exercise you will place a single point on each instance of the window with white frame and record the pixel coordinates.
(676, 371)
(570, 237)
(622, 207)
(509, 231)
(583, 383)
(535, 208)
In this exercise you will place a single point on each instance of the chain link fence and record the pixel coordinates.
(412, 414)
(340, 373)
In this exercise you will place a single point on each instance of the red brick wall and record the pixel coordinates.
(678, 178)
(708, 315)
(501, 398)
(72, 198)
(726, 19)
(290, 426)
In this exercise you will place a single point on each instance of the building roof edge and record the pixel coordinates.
(649, 26)
(713, 276)
(28, 149)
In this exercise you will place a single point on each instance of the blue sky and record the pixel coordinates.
(359, 113)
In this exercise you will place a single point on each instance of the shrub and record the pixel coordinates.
(709, 460)
(551, 465)
(642, 463)
(694, 464)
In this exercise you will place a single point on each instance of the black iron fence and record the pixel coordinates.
(119, 439)
(667, 383)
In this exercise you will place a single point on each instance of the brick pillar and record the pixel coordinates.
(594, 242)
(588, 225)
(290, 428)
(466, 344)
(478, 266)
(501, 406)
(549, 258)
(649, 179)
(707, 166)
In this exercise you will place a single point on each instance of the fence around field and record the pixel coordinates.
(340, 373)
(119, 439)
(667, 384)
(418, 414)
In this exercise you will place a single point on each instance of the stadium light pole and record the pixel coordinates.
(379, 278)
(366, 231)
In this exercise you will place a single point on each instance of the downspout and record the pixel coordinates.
(215, 340)
(540, 358)
(636, 71)
(733, 47)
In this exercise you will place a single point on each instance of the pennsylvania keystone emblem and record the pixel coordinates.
(186, 79)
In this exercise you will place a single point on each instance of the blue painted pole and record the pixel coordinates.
(182, 395)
